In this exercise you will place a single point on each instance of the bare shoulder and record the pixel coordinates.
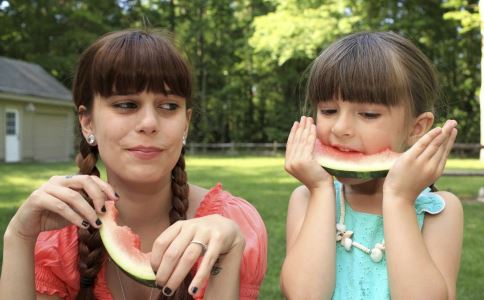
(453, 205)
(451, 217)
(298, 203)
(300, 194)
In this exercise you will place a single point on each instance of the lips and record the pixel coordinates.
(342, 148)
(145, 152)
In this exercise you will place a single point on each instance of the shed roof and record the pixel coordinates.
(20, 77)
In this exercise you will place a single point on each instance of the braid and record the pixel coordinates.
(178, 211)
(91, 249)
(179, 189)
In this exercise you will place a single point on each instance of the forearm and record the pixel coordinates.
(411, 270)
(308, 271)
(17, 281)
(224, 282)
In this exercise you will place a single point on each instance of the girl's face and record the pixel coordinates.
(139, 136)
(362, 127)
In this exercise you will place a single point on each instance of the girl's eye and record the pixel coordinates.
(126, 105)
(370, 115)
(328, 111)
(169, 106)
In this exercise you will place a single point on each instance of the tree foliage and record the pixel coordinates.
(250, 57)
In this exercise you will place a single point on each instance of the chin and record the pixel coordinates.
(353, 181)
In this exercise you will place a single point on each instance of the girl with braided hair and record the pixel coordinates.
(133, 93)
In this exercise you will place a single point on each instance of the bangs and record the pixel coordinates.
(138, 61)
(358, 68)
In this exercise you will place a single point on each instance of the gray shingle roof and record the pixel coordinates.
(20, 77)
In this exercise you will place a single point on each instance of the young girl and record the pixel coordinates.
(133, 94)
(394, 236)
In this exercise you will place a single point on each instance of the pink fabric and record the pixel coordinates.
(56, 253)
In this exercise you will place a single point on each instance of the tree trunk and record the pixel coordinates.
(481, 93)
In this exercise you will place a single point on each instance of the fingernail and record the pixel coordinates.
(167, 291)
(98, 222)
(103, 209)
(194, 290)
(85, 223)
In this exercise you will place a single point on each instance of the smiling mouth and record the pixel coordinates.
(344, 149)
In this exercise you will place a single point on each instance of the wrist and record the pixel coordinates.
(11, 236)
(12, 232)
(322, 186)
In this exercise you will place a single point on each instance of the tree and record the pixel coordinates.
(481, 13)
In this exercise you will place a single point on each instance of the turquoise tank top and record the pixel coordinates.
(357, 276)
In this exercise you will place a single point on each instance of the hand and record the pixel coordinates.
(59, 203)
(422, 164)
(179, 247)
(300, 161)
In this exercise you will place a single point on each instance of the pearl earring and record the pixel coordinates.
(91, 139)
(184, 140)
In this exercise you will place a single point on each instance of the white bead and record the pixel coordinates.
(340, 227)
(347, 243)
(376, 255)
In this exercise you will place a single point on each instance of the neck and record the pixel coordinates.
(143, 206)
(365, 197)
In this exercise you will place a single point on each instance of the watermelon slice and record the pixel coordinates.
(123, 246)
(354, 164)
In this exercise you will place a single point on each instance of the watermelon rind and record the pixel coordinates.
(354, 165)
(357, 174)
(141, 272)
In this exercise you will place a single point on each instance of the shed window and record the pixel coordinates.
(11, 123)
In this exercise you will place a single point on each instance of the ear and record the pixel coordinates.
(420, 126)
(85, 120)
(189, 117)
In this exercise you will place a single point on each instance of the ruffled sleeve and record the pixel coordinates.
(428, 203)
(254, 262)
(56, 263)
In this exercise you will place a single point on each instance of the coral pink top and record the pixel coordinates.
(56, 252)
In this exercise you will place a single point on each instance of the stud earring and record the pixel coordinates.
(91, 139)
(184, 140)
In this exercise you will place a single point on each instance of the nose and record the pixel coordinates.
(343, 126)
(148, 121)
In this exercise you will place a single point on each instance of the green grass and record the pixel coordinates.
(263, 182)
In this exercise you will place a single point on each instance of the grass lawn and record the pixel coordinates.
(263, 182)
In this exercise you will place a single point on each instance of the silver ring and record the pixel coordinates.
(204, 247)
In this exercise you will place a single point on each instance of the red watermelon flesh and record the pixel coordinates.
(124, 247)
(354, 164)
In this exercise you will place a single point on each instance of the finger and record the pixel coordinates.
(171, 257)
(450, 144)
(62, 209)
(299, 131)
(290, 139)
(162, 243)
(106, 188)
(420, 146)
(206, 265)
(87, 184)
(190, 256)
(435, 148)
(311, 140)
(75, 201)
(438, 147)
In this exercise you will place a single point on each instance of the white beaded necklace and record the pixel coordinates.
(121, 284)
(344, 236)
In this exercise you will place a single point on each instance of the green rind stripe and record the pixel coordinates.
(146, 276)
(356, 174)
(147, 282)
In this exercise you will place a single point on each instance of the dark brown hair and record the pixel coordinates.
(374, 67)
(128, 62)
